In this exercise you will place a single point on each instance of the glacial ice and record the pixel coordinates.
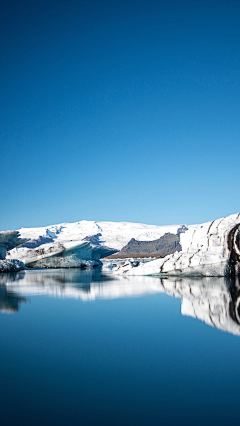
(69, 254)
(11, 265)
(9, 240)
(209, 249)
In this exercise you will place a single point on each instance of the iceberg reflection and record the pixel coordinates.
(89, 284)
(9, 300)
(216, 301)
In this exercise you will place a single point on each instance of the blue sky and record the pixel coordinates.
(119, 110)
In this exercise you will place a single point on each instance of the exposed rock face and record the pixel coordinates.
(167, 244)
(182, 229)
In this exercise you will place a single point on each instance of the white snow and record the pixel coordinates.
(53, 243)
(205, 248)
(113, 234)
(205, 252)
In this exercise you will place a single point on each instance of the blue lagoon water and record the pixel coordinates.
(87, 348)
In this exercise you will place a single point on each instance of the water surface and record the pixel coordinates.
(87, 348)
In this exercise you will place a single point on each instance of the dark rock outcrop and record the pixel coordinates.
(167, 244)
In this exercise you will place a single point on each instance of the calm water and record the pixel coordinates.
(85, 348)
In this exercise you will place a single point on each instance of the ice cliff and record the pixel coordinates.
(209, 249)
(9, 240)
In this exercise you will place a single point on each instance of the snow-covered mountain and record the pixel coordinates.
(81, 243)
(111, 234)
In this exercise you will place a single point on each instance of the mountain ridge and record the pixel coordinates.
(111, 234)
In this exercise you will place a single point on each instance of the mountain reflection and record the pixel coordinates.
(216, 301)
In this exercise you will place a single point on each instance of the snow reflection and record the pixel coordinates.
(216, 301)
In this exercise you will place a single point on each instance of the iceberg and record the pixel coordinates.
(12, 265)
(9, 240)
(209, 249)
(70, 254)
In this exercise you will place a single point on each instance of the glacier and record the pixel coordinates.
(8, 241)
(208, 249)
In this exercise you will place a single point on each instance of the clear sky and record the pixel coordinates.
(119, 110)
